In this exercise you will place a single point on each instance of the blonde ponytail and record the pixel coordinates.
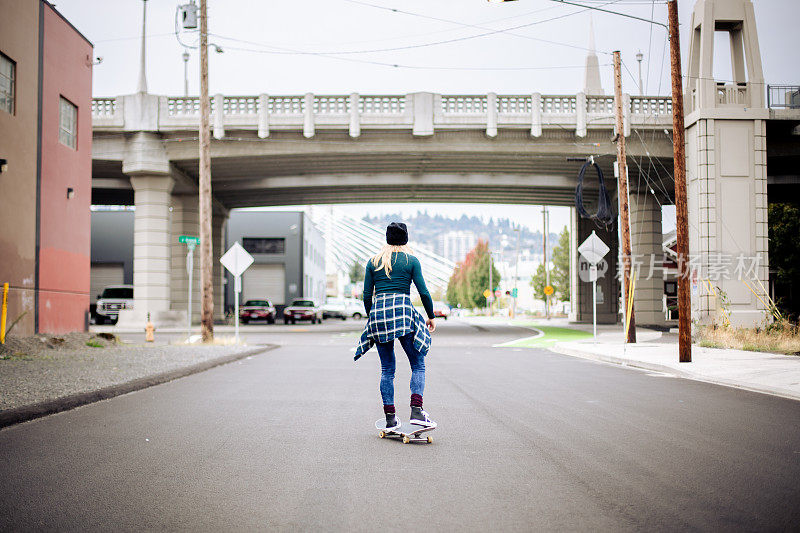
(383, 259)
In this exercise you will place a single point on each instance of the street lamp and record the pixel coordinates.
(639, 58)
(185, 72)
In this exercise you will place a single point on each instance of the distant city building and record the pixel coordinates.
(455, 245)
(46, 179)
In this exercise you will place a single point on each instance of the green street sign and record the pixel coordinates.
(186, 239)
(513, 293)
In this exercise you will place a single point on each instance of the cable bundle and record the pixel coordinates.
(603, 215)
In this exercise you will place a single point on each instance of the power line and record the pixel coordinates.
(414, 46)
(410, 67)
(479, 26)
(138, 37)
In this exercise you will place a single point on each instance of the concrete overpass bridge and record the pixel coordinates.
(493, 148)
(422, 147)
(276, 150)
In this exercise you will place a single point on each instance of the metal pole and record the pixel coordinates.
(593, 273)
(491, 288)
(189, 270)
(547, 262)
(516, 273)
(639, 58)
(185, 73)
(679, 164)
(622, 193)
(544, 259)
(142, 86)
(206, 266)
(237, 287)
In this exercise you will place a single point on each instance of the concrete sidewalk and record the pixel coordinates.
(755, 371)
(41, 384)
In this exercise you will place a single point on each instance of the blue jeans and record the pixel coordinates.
(416, 359)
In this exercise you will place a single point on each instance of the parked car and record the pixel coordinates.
(354, 308)
(334, 308)
(303, 310)
(441, 310)
(257, 310)
(111, 301)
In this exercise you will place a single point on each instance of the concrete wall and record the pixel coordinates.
(65, 223)
(19, 40)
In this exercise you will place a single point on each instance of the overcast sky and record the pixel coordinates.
(361, 39)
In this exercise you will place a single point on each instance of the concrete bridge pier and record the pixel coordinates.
(608, 286)
(726, 167)
(146, 163)
(646, 246)
(185, 221)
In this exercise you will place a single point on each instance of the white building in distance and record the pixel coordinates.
(455, 245)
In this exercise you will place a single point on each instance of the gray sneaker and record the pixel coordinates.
(421, 418)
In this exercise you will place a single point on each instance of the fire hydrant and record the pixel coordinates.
(149, 329)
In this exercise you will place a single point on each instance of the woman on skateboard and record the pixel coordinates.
(388, 278)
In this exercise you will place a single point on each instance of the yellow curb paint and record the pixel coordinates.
(3, 315)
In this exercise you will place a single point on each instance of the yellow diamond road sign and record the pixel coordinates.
(487, 293)
(548, 290)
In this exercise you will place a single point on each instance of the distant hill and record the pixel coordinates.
(424, 229)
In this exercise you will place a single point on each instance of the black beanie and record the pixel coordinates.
(396, 234)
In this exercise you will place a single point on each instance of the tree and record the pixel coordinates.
(559, 271)
(784, 255)
(356, 272)
(471, 277)
(478, 275)
(452, 287)
(538, 282)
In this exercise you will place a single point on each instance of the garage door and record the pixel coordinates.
(103, 275)
(264, 281)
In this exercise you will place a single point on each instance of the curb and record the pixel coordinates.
(657, 367)
(25, 413)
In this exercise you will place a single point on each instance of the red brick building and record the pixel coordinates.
(45, 187)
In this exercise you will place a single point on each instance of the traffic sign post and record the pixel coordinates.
(593, 249)
(191, 243)
(236, 260)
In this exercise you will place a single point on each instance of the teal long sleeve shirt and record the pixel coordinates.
(405, 269)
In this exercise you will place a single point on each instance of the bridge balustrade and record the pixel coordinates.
(306, 112)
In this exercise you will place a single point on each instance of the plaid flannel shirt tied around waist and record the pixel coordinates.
(392, 316)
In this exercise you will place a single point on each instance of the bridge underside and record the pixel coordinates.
(391, 166)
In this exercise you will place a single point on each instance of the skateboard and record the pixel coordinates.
(407, 432)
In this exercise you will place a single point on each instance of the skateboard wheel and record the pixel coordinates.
(430, 440)
(406, 440)
(382, 434)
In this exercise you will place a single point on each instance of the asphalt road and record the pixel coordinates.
(527, 440)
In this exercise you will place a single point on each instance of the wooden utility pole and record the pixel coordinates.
(206, 266)
(622, 192)
(679, 172)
